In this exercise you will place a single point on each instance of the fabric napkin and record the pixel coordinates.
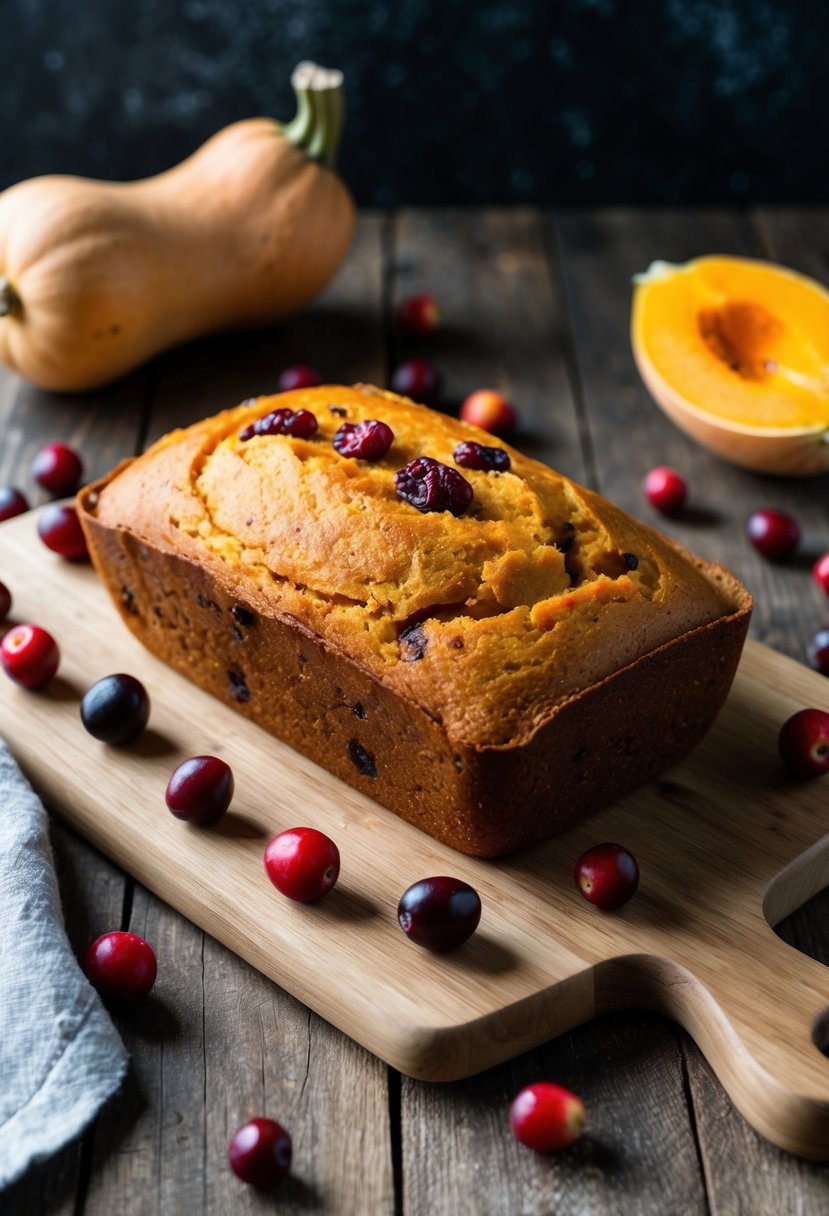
(60, 1055)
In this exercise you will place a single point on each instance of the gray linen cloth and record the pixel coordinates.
(60, 1055)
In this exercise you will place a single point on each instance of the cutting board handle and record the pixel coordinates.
(761, 1027)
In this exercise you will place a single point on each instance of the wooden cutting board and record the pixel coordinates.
(727, 844)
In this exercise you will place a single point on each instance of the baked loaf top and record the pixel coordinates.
(488, 620)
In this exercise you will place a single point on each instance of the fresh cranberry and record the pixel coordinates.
(121, 967)
(369, 440)
(200, 789)
(300, 375)
(431, 486)
(260, 1153)
(773, 533)
(57, 468)
(5, 601)
(12, 503)
(820, 572)
(607, 875)
(804, 743)
(475, 456)
(665, 490)
(29, 655)
(115, 709)
(302, 863)
(60, 530)
(416, 379)
(301, 424)
(819, 652)
(439, 913)
(547, 1117)
(418, 316)
(490, 411)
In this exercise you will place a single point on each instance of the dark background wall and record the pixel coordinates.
(569, 101)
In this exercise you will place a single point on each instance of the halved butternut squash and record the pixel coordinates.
(736, 352)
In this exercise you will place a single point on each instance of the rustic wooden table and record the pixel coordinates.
(537, 306)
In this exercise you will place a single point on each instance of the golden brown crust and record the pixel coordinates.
(490, 678)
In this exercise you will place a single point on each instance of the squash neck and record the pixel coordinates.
(315, 129)
(9, 299)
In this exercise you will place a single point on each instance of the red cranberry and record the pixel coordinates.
(301, 424)
(115, 709)
(607, 875)
(804, 743)
(819, 652)
(12, 503)
(5, 601)
(121, 967)
(200, 789)
(29, 655)
(431, 486)
(300, 375)
(260, 1153)
(416, 379)
(418, 316)
(490, 411)
(439, 913)
(665, 490)
(369, 440)
(475, 456)
(547, 1117)
(60, 530)
(773, 533)
(302, 863)
(57, 468)
(820, 572)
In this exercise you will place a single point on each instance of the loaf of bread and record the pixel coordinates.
(491, 653)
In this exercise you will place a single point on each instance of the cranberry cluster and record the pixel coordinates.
(301, 424)
(431, 486)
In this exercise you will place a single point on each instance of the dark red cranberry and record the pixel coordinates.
(418, 316)
(5, 601)
(665, 490)
(57, 468)
(804, 743)
(471, 455)
(547, 1117)
(439, 913)
(301, 424)
(819, 652)
(260, 1153)
(302, 863)
(298, 376)
(115, 709)
(773, 533)
(60, 530)
(416, 379)
(369, 440)
(200, 790)
(820, 572)
(607, 875)
(121, 967)
(431, 486)
(29, 655)
(12, 503)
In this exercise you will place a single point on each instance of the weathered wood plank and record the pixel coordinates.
(506, 327)
(218, 1043)
(599, 254)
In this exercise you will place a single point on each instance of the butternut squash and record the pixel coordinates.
(96, 277)
(736, 352)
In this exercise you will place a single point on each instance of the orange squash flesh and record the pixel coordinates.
(736, 351)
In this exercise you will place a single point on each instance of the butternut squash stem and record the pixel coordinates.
(9, 299)
(315, 128)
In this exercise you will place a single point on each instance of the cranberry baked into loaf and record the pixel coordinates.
(490, 652)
